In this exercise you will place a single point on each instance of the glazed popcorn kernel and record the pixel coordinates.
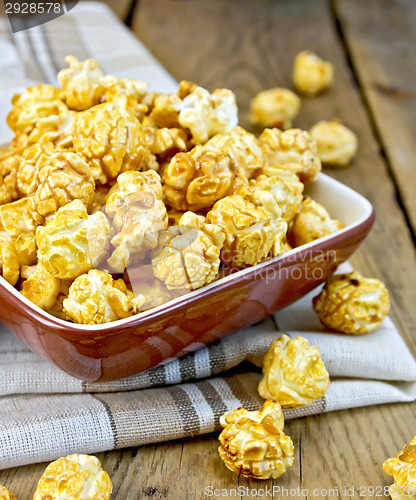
(253, 443)
(8, 187)
(18, 221)
(35, 103)
(286, 189)
(9, 262)
(196, 184)
(403, 470)
(249, 231)
(292, 150)
(275, 107)
(242, 147)
(293, 373)
(111, 140)
(73, 242)
(337, 144)
(28, 166)
(126, 92)
(5, 494)
(81, 83)
(60, 179)
(58, 129)
(75, 477)
(311, 223)
(165, 141)
(135, 204)
(41, 288)
(95, 298)
(349, 303)
(188, 255)
(311, 74)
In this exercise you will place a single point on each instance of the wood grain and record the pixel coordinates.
(381, 38)
(249, 46)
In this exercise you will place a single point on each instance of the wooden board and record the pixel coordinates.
(381, 39)
(249, 46)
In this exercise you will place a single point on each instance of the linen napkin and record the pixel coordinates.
(45, 413)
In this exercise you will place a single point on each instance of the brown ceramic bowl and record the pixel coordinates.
(129, 346)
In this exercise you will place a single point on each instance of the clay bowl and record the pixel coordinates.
(129, 346)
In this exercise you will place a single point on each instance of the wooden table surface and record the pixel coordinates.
(249, 46)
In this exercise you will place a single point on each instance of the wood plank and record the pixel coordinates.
(381, 38)
(249, 46)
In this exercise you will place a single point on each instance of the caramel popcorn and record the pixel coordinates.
(337, 144)
(127, 93)
(41, 288)
(293, 373)
(81, 83)
(196, 184)
(311, 74)
(165, 110)
(135, 203)
(242, 147)
(253, 443)
(75, 477)
(96, 298)
(147, 290)
(249, 233)
(349, 303)
(286, 189)
(18, 221)
(35, 103)
(73, 242)
(164, 142)
(292, 150)
(275, 107)
(5, 494)
(8, 187)
(111, 140)
(57, 308)
(9, 262)
(58, 129)
(188, 255)
(403, 470)
(28, 167)
(61, 178)
(311, 223)
(206, 114)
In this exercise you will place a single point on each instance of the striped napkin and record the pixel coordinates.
(45, 413)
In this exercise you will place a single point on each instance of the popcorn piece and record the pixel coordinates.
(165, 110)
(242, 147)
(57, 308)
(292, 150)
(311, 74)
(58, 129)
(206, 114)
(5, 494)
(76, 477)
(127, 93)
(81, 83)
(8, 187)
(275, 107)
(73, 242)
(403, 470)
(349, 303)
(9, 263)
(293, 373)
(28, 167)
(135, 203)
(41, 288)
(112, 140)
(311, 223)
(165, 141)
(61, 178)
(35, 103)
(188, 254)
(196, 184)
(148, 291)
(95, 298)
(18, 221)
(337, 144)
(249, 232)
(253, 443)
(285, 188)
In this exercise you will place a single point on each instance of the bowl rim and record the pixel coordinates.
(366, 218)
